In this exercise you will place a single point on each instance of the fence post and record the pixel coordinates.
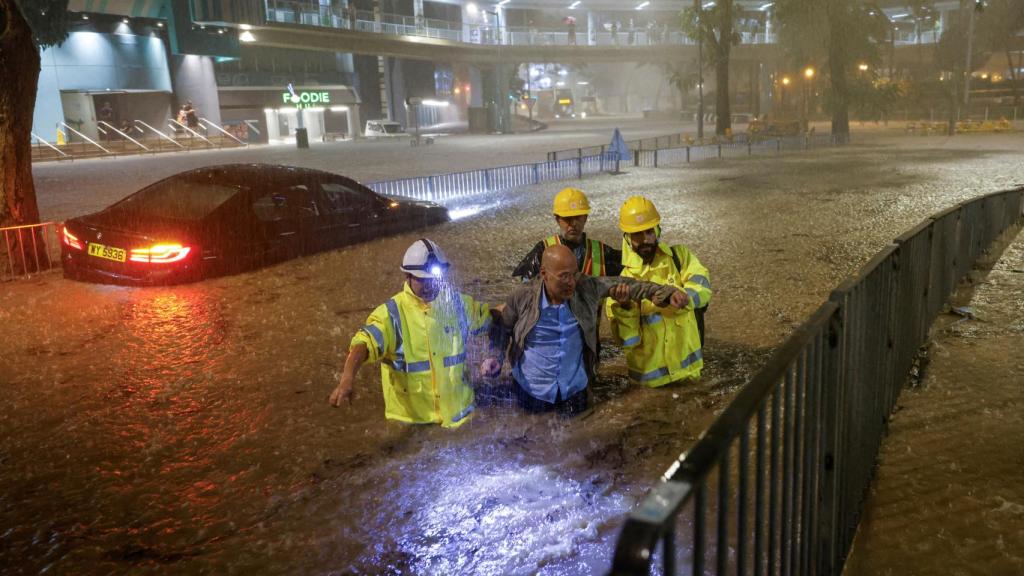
(487, 180)
(655, 157)
(536, 174)
(719, 150)
(636, 158)
(430, 186)
(687, 154)
(750, 150)
(823, 551)
(579, 167)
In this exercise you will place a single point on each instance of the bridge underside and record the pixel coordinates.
(299, 37)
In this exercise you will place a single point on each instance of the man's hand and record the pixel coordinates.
(343, 392)
(679, 299)
(490, 367)
(620, 293)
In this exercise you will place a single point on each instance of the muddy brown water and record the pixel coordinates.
(186, 429)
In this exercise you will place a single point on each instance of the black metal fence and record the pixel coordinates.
(440, 187)
(785, 469)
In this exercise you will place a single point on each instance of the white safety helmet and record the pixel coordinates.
(425, 259)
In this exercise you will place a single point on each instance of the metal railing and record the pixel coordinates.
(442, 187)
(460, 184)
(313, 13)
(689, 154)
(29, 249)
(138, 138)
(785, 468)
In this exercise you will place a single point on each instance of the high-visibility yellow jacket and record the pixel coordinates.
(662, 344)
(593, 262)
(422, 350)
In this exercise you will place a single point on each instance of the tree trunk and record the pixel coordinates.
(837, 71)
(1013, 79)
(19, 59)
(723, 115)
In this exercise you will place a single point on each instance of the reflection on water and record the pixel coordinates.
(169, 337)
(186, 429)
(489, 512)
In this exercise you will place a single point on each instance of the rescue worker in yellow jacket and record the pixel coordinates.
(419, 336)
(595, 258)
(663, 344)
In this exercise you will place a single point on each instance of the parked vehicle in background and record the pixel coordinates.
(384, 129)
(225, 219)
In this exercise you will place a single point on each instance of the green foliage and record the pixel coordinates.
(709, 23)
(873, 97)
(812, 32)
(48, 20)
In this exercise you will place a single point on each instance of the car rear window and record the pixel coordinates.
(178, 198)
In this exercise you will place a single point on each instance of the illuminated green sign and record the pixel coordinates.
(305, 99)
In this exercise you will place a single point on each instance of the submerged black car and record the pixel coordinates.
(225, 219)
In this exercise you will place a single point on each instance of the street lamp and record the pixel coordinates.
(863, 67)
(809, 75)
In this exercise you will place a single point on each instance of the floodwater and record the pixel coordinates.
(187, 428)
(948, 496)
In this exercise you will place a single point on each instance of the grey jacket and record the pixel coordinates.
(522, 309)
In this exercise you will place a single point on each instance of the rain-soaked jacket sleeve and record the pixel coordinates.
(696, 279)
(377, 334)
(478, 315)
(625, 324)
(529, 267)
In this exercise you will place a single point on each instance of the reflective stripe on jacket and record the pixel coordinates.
(662, 343)
(422, 350)
(593, 261)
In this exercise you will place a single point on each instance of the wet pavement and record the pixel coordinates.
(187, 428)
(948, 495)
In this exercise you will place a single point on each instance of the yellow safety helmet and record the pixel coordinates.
(637, 214)
(571, 202)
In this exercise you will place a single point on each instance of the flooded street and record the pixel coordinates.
(187, 428)
(948, 495)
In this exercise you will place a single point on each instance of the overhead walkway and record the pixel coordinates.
(948, 496)
(300, 37)
(300, 25)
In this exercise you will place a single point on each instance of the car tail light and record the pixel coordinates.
(72, 240)
(160, 253)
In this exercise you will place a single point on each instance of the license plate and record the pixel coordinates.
(108, 252)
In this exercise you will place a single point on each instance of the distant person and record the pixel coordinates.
(126, 127)
(572, 31)
(419, 338)
(553, 326)
(191, 116)
(106, 115)
(350, 13)
(663, 344)
(593, 257)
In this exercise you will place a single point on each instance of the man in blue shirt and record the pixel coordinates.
(553, 323)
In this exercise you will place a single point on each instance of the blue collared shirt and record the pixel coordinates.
(551, 366)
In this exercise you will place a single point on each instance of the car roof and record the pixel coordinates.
(253, 172)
